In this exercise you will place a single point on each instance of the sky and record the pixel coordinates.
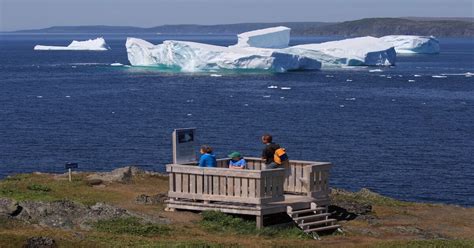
(33, 14)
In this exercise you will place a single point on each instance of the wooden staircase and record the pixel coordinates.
(313, 220)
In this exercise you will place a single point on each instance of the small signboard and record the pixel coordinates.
(71, 166)
(184, 145)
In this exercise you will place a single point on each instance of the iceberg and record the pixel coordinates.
(413, 43)
(275, 37)
(366, 50)
(192, 56)
(264, 49)
(88, 45)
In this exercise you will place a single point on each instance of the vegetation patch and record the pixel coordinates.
(38, 187)
(24, 187)
(219, 222)
(132, 226)
(365, 196)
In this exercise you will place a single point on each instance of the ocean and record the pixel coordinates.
(400, 131)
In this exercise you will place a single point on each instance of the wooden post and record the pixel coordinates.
(69, 166)
(259, 220)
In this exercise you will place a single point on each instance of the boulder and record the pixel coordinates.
(8, 207)
(122, 175)
(67, 214)
(40, 242)
(151, 200)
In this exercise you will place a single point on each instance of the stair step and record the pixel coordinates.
(311, 216)
(316, 222)
(307, 210)
(318, 229)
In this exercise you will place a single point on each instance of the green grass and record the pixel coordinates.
(31, 187)
(364, 196)
(132, 226)
(219, 222)
(38, 187)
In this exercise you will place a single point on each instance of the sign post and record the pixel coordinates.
(70, 166)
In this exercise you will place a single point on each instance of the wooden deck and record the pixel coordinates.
(299, 185)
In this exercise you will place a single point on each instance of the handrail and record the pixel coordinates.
(228, 185)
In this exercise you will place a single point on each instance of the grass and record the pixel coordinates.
(437, 243)
(132, 226)
(24, 187)
(368, 197)
(219, 222)
(38, 187)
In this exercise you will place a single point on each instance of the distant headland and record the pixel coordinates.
(440, 27)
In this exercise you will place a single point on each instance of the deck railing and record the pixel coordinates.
(252, 185)
(227, 185)
(307, 177)
(301, 177)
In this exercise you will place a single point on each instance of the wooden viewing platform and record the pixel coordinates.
(300, 189)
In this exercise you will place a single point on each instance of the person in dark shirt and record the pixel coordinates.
(269, 151)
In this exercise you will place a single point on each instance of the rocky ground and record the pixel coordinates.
(125, 208)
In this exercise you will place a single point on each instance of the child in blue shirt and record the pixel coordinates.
(207, 158)
(236, 161)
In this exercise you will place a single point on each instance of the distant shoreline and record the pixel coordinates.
(449, 27)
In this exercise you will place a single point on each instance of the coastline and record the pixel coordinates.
(127, 207)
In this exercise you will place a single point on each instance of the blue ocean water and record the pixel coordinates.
(409, 140)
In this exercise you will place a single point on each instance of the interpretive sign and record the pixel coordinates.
(184, 145)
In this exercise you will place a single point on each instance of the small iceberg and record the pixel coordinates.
(88, 45)
(439, 76)
(272, 87)
(215, 75)
(285, 88)
(375, 70)
(116, 64)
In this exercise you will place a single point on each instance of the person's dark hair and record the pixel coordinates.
(206, 149)
(267, 138)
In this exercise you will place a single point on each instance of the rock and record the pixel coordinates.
(354, 207)
(151, 200)
(67, 214)
(62, 214)
(348, 206)
(94, 182)
(101, 211)
(122, 175)
(40, 242)
(8, 207)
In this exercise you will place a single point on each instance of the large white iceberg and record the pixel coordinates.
(88, 45)
(413, 43)
(265, 49)
(193, 56)
(275, 37)
(367, 50)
